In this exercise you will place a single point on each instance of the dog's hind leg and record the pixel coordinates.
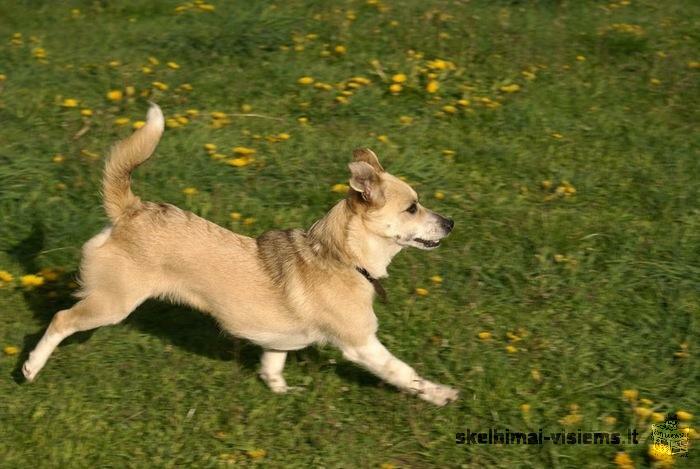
(95, 310)
(272, 364)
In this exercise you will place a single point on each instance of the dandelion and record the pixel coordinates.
(305, 80)
(5, 276)
(536, 375)
(160, 85)
(173, 65)
(210, 147)
(218, 115)
(432, 86)
(340, 188)
(512, 88)
(246, 108)
(153, 61)
(528, 75)
(655, 81)
(240, 162)
(114, 95)
(383, 138)
(192, 112)
(206, 7)
(114, 63)
(399, 78)
(3, 77)
(190, 191)
(39, 53)
(249, 221)
(609, 420)
(69, 102)
(436, 279)
(464, 102)
(341, 99)
(31, 280)
(485, 336)
(395, 88)
(439, 195)
(557, 136)
(58, 158)
(10, 350)
(172, 123)
(693, 64)
(660, 452)
(146, 70)
(623, 460)
(182, 120)
(303, 120)
(186, 87)
(340, 50)
(86, 112)
(642, 412)
(245, 151)
(657, 417)
(581, 58)
(406, 120)
(121, 121)
(421, 291)
(630, 395)
(511, 349)
(235, 216)
(559, 258)
(448, 153)
(449, 109)
(256, 453)
(138, 124)
(525, 408)
(571, 420)
(684, 416)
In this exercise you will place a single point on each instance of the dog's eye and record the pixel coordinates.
(413, 208)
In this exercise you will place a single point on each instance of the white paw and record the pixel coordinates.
(29, 371)
(437, 394)
(276, 383)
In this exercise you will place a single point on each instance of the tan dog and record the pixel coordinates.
(283, 291)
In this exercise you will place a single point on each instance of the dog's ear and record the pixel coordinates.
(364, 180)
(369, 157)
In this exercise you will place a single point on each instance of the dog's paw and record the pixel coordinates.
(276, 383)
(438, 394)
(29, 371)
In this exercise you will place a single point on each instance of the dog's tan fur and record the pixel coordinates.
(284, 290)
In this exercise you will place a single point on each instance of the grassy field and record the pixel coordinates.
(561, 136)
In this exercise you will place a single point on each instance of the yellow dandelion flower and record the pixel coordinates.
(432, 86)
(240, 162)
(660, 452)
(146, 70)
(182, 120)
(235, 216)
(173, 65)
(114, 95)
(138, 124)
(439, 195)
(340, 50)
(630, 395)
(172, 123)
(581, 58)
(303, 120)
(206, 7)
(421, 291)
(642, 412)
(130, 91)
(449, 109)
(559, 258)
(684, 416)
(525, 408)
(218, 115)
(10, 350)
(189, 191)
(485, 335)
(114, 63)
(395, 88)
(512, 88)
(609, 420)
(536, 375)
(406, 120)
(436, 279)
(160, 85)
(3, 77)
(340, 188)
(399, 78)
(341, 99)
(121, 121)
(243, 151)
(383, 138)
(557, 136)
(283, 136)
(528, 75)
(69, 102)
(256, 453)
(693, 64)
(571, 420)
(246, 108)
(153, 61)
(448, 152)
(464, 102)
(305, 80)
(186, 87)
(192, 112)
(511, 349)
(217, 156)
(39, 53)
(645, 401)
(623, 460)
(58, 158)
(5, 276)
(86, 112)
(655, 81)
(210, 147)
(249, 221)
(31, 280)
(657, 417)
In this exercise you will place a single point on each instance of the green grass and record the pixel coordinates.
(168, 388)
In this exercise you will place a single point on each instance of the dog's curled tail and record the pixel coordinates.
(124, 157)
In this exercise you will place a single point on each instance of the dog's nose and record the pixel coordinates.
(448, 223)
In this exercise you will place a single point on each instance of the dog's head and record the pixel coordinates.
(390, 207)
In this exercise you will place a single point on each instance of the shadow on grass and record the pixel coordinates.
(178, 325)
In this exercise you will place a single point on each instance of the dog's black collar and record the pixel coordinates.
(378, 288)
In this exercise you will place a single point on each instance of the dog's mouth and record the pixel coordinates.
(426, 243)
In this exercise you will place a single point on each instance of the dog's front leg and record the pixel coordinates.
(272, 364)
(377, 359)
